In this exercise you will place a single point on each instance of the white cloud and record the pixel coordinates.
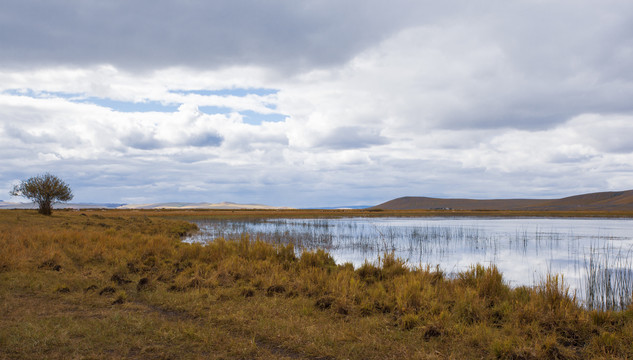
(499, 99)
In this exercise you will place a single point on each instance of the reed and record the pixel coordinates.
(608, 278)
(357, 240)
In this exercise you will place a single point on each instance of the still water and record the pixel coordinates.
(524, 249)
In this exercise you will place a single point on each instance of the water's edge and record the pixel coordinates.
(594, 256)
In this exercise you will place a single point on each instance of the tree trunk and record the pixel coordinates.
(45, 208)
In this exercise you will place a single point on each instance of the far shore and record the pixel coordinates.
(336, 213)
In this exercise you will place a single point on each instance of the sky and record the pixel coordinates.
(317, 103)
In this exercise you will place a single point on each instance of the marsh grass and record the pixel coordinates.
(609, 278)
(123, 285)
(603, 283)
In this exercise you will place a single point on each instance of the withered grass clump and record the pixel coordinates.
(120, 284)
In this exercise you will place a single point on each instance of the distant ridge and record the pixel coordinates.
(218, 206)
(30, 205)
(601, 201)
(171, 205)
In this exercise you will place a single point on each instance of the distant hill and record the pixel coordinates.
(30, 205)
(602, 201)
(217, 206)
(342, 207)
(172, 205)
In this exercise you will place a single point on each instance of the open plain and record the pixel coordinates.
(122, 284)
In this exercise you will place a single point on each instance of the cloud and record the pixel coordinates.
(26, 137)
(317, 102)
(205, 139)
(142, 141)
(155, 34)
(459, 76)
(604, 133)
(351, 137)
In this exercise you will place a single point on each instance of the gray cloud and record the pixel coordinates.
(351, 137)
(208, 34)
(205, 139)
(25, 136)
(142, 141)
(147, 140)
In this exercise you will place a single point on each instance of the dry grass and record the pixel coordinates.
(308, 213)
(120, 284)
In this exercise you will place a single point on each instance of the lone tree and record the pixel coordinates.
(45, 190)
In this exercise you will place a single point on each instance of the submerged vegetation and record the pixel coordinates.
(112, 284)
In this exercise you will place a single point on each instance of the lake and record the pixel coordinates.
(595, 256)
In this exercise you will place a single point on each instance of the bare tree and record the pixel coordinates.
(44, 190)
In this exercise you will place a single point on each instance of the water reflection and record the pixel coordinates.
(590, 253)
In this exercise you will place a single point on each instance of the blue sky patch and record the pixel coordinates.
(43, 94)
(129, 106)
(116, 105)
(254, 118)
(210, 110)
(248, 116)
(240, 92)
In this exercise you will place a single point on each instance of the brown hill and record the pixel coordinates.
(602, 201)
(613, 200)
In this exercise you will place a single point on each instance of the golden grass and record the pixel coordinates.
(315, 213)
(121, 284)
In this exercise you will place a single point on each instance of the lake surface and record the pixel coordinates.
(595, 256)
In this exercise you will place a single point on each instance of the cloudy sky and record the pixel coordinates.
(317, 103)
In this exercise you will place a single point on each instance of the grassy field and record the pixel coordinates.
(121, 284)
